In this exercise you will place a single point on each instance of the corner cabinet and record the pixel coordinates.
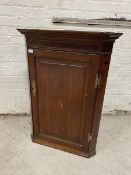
(68, 72)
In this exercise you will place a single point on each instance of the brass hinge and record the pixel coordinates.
(90, 137)
(33, 87)
(98, 81)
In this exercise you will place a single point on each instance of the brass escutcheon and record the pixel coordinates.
(60, 104)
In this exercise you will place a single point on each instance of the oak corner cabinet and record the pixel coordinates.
(68, 72)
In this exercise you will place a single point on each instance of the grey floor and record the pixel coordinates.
(19, 156)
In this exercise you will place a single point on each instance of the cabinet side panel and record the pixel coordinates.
(34, 101)
(103, 71)
(90, 100)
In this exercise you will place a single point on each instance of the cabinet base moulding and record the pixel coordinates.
(62, 147)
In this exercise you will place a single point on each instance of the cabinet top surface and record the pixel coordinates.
(70, 33)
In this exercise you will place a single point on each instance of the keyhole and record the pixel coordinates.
(60, 104)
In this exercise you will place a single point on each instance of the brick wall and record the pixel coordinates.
(14, 88)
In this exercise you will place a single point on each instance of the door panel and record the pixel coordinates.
(64, 99)
(60, 94)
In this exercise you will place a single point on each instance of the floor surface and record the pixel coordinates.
(19, 156)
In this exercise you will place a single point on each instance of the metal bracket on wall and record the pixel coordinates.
(105, 22)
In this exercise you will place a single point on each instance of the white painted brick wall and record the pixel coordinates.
(14, 87)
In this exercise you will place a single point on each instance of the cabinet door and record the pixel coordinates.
(66, 96)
